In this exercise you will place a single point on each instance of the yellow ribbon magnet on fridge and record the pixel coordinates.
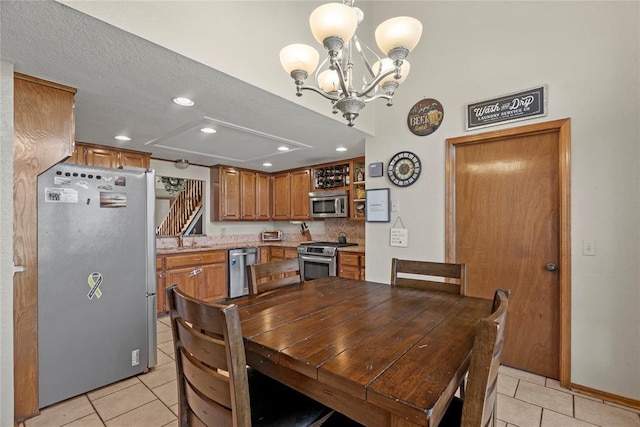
(94, 280)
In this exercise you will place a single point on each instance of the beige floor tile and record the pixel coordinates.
(164, 336)
(500, 423)
(173, 424)
(161, 327)
(62, 413)
(554, 419)
(637, 411)
(604, 415)
(174, 408)
(163, 358)
(167, 393)
(165, 319)
(555, 400)
(507, 385)
(112, 388)
(122, 401)
(523, 375)
(167, 348)
(517, 412)
(153, 414)
(159, 375)
(92, 420)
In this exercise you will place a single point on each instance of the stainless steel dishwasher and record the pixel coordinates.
(239, 259)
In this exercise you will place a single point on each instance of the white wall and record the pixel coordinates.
(587, 53)
(6, 248)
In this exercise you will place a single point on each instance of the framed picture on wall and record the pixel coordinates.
(377, 205)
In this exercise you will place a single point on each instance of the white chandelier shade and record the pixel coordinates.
(299, 57)
(399, 32)
(334, 26)
(333, 20)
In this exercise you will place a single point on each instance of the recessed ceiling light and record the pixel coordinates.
(208, 130)
(185, 102)
(283, 148)
(341, 149)
(123, 138)
(267, 164)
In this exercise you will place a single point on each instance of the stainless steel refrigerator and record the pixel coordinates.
(96, 278)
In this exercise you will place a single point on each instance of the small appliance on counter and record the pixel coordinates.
(271, 236)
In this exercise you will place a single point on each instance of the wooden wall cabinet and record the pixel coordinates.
(351, 265)
(300, 187)
(291, 195)
(44, 129)
(281, 196)
(225, 189)
(108, 157)
(240, 194)
(255, 196)
(202, 275)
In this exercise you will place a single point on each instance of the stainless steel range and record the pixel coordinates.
(318, 259)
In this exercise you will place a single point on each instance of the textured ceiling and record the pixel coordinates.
(125, 86)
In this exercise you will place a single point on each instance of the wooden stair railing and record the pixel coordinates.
(183, 209)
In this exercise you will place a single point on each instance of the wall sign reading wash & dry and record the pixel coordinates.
(522, 105)
(425, 117)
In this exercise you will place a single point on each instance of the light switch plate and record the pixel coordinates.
(589, 247)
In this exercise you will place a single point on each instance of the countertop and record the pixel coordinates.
(258, 244)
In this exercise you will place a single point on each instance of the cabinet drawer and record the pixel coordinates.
(199, 258)
(349, 259)
(277, 254)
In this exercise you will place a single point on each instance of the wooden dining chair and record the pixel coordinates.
(272, 275)
(215, 387)
(454, 275)
(478, 409)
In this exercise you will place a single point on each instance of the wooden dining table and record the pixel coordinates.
(382, 355)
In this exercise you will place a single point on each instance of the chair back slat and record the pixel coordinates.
(207, 381)
(272, 275)
(454, 275)
(208, 337)
(211, 351)
(481, 394)
(207, 411)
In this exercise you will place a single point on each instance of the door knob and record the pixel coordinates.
(551, 267)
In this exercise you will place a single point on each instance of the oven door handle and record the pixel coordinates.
(324, 259)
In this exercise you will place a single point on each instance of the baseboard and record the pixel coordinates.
(609, 397)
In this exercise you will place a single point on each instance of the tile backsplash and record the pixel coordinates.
(354, 231)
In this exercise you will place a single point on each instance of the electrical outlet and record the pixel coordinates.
(589, 247)
(223, 231)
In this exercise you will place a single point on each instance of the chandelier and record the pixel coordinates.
(334, 26)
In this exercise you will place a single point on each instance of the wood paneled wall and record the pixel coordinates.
(44, 135)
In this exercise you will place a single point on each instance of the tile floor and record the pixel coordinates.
(524, 400)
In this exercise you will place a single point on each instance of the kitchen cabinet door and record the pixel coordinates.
(130, 158)
(186, 278)
(213, 285)
(263, 197)
(281, 196)
(300, 187)
(101, 157)
(229, 194)
(248, 195)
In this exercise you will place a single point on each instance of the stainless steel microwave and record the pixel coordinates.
(329, 204)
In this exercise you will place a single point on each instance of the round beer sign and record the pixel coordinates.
(425, 117)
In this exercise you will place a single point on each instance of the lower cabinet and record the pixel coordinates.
(279, 254)
(202, 275)
(351, 265)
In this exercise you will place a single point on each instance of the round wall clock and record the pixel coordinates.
(404, 168)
